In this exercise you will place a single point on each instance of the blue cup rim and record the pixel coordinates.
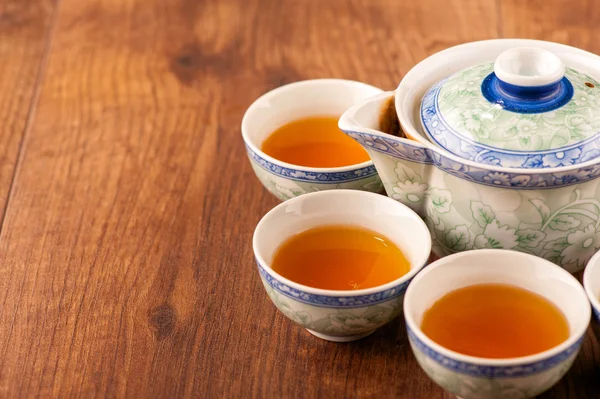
(342, 293)
(570, 342)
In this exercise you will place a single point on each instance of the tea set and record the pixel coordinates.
(495, 172)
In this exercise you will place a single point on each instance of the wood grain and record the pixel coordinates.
(126, 267)
(570, 22)
(24, 32)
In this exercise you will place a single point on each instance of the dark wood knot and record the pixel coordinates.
(193, 63)
(162, 320)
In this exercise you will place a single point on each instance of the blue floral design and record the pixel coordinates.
(555, 159)
(489, 159)
(591, 154)
(475, 370)
(392, 147)
(566, 158)
(497, 178)
(333, 301)
(319, 177)
(541, 178)
(534, 162)
(520, 181)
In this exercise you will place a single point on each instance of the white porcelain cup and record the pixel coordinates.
(591, 283)
(340, 316)
(474, 377)
(318, 97)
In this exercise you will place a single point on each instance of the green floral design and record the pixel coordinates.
(466, 110)
(338, 322)
(567, 235)
(466, 386)
(282, 192)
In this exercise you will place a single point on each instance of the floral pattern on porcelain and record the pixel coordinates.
(341, 321)
(538, 179)
(468, 380)
(306, 176)
(463, 213)
(567, 235)
(291, 184)
(332, 301)
(457, 116)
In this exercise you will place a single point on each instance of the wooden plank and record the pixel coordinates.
(24, 34)
(126, 266)
(570, 22)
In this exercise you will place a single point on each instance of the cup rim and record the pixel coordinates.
(574, 336)
(587, 280)
(292, 86)
(342, 293)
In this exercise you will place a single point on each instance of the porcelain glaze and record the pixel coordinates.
(295, 101)
(476, 116)
(472, 377)
(339, 316)
(552, 211)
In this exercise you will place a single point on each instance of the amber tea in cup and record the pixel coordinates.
(340, 257)
(495, 321)
(315, 141)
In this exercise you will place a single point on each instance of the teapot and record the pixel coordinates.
(536, 193)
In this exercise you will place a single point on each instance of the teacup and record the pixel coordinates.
(294, 101)
(333, 315)
(475, 377)
(591, 283)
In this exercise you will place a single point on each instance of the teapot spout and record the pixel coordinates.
(374, 124)
(375, 114)
(402, 163)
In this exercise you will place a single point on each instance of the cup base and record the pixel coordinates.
(335, 338)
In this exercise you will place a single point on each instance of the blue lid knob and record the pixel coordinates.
(528, 80)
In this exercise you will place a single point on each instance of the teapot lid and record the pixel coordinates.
(526, 110)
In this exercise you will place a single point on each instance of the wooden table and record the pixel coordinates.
(127, 203)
